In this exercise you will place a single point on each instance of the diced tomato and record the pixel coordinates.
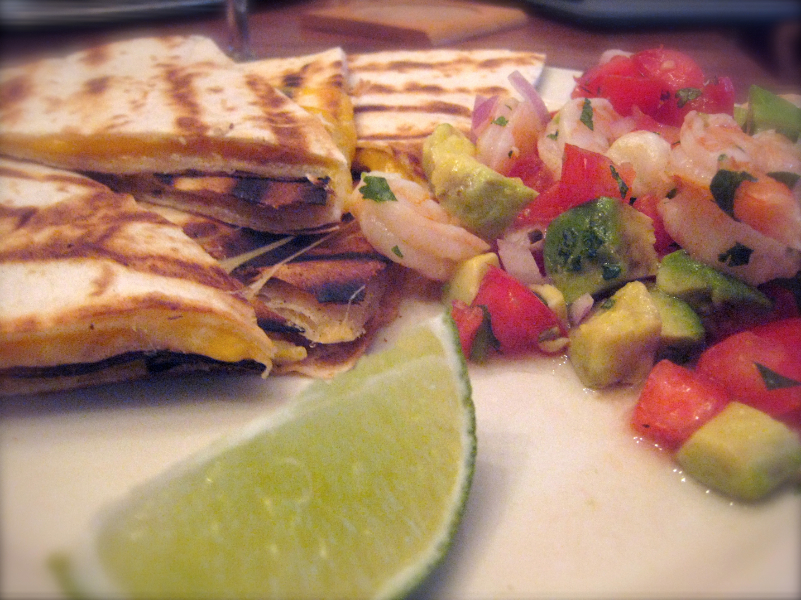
(586, 175)
(647, 205)
(760, 367)
(468, 320)
(674, 402)
(673, 69)
(662, 83)
(532, 170)
(519, 318)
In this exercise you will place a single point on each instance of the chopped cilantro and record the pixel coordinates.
(685, 95)
(397, 251)
(621, 185)
(736, 256)
(774, 380)
(377, 188)
(484, 339)
(586, 114)
(724, 186)
(554, 135)
(610, 271)
(788, 178)
(502, 121)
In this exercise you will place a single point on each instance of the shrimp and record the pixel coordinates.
(708, 234)
(589, 123)
(648, 154)
(771, 208)
(413, 229)
(710, 142)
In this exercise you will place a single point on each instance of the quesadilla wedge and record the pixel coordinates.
(324, 294)
(175, 121)
(400, 96)
(95, 288)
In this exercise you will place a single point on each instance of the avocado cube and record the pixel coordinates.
(617, 343)
(741, 452)
(766, 110)
(704, 288)
(682, 328)
(598, 246)
(483, 200)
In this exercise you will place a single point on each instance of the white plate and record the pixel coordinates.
(564, 501)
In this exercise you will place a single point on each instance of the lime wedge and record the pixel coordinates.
(353, 491)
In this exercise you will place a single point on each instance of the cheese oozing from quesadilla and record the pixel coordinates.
(87, 275)
(177, 106)
(327, 293)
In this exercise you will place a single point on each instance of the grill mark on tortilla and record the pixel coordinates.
(93, 226)
(182, 95)
(428, 108)
(284, 124)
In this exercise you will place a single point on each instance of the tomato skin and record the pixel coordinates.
(673, 69)
(733, 363)
(646, 204)
(468, 320)
(586, 175)
(517, 315)
(652, 81)
(674, 402)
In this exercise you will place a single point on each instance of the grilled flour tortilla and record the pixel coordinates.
(323, 296)
(399, 97)
(175, 121)
(95, 288)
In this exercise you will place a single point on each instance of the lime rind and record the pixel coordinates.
(83, 570)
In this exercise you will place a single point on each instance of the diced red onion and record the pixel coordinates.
(579, 308)
(483, 108)
(530, 94)
(518, 261)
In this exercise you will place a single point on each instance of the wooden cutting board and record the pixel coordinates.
(414, 21)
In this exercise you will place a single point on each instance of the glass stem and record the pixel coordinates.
(239, 40)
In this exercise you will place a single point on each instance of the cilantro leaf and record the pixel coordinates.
(786, 177)
(774, 380)
(377, 188)
(397, 251)
(736, 256)
(586, 114)
(502, 121)
(685, 95)
(621, 185)
(724, 186)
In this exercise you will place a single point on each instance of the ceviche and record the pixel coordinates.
(650, 229)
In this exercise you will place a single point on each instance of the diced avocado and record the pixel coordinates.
(682, 328)
(617, 343)
(597, 246)
(766, 110)
(483, 200)
(466, 280)
(702, 287)
(741, 452)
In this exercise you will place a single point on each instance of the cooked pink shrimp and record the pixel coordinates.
(710, 142)
(413, 229)
(589, 123)
(771, 208)
(708, 234)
